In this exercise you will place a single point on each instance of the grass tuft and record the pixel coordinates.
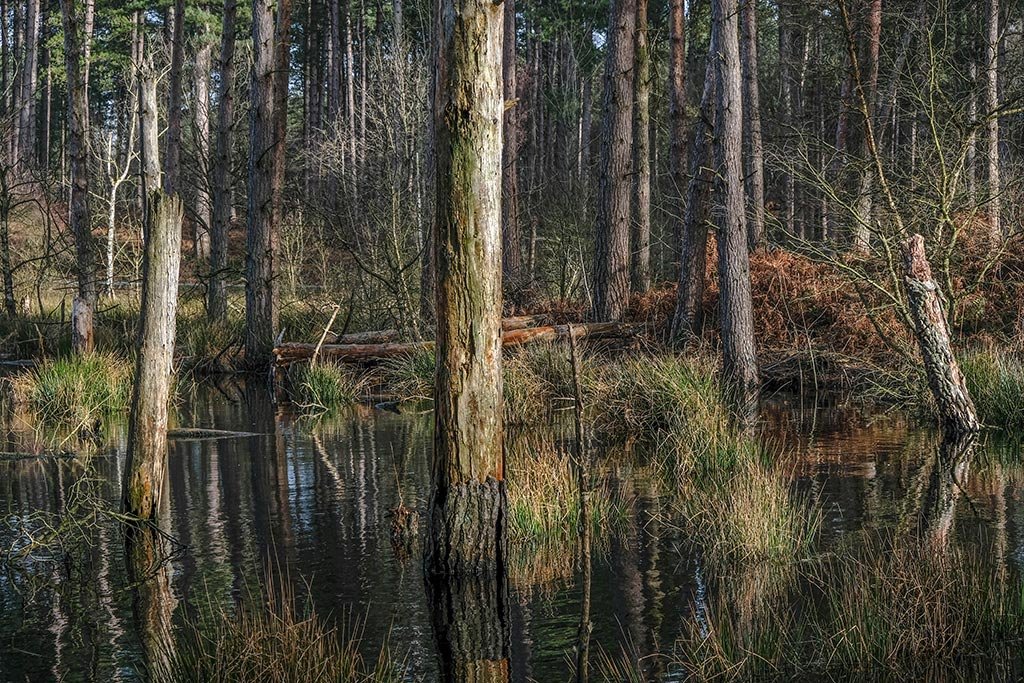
(75, 391)
(995, 379)
(326, 387)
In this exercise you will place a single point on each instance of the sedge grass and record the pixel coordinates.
(75, 391)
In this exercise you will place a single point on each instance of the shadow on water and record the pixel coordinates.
(336, 506)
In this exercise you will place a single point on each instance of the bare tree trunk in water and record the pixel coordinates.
(201, 94)
(677, 121)
(735, 303)
(261, 310)
(76, 40)
(172, 159)
(688, 320)
(221, 181)
(640, 263)
(611, 267)
(868, 84)
(467, 515)
(146, 460)
(752, 112)
(511, 243)
(147, 559)
(956, 409)
(992, 121)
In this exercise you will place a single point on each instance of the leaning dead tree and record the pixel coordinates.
(146, 464)
(956, 409)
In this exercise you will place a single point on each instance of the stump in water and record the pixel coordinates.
(146, 464)
(467, 513)
(81, 325)
(956, 409)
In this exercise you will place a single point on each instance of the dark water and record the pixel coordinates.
(313, 500)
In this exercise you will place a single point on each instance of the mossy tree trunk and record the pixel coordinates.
(146, 463)
(467, 518)
(611, 265)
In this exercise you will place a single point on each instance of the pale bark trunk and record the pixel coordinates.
(735, 303)
(261, 309)
(172, 158)
(467, 512)
(688, 320)
(146, 460)
(956, 409)
(752, 113)
(640, 263)
(76, 41)
(971, 157)
(148, 130)
(992, 119)
(201, 121)
(221, 181)
(611, 268)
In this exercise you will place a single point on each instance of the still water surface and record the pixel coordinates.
(314, 500)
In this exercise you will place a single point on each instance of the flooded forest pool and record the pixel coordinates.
(313, 501)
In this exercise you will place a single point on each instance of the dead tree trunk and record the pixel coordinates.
(640, 262)
(611, 267)
(467, 518)
(146, 463)
(76, 40)
(735, 303)
(956, 409)
(868, 86)
(221, 176)
(688, 320)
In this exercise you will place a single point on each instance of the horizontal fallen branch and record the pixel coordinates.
(387, 336)
(197, 433)
(367, 353)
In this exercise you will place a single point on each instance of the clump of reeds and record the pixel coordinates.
(273, 639)
(995, 379)
(411, 376)
(75, 391)
(900, 607)
(326, 387)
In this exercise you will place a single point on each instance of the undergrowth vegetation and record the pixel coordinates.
(995, 379)
(273, 638)
(75, 391)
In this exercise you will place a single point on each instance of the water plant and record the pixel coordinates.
(325, 387)
(995, 379)
(75, 391)
(273, 638)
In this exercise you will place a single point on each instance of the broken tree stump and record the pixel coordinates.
(956, 409)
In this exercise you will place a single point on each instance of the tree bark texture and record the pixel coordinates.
(27, 113)
(76, 39)
(688, 320)
(172, 157)
(677, 119)
(467, 514)
(471, 624)
(611, 265)
(752, 113)
(221, 176)
(640, 261)
(735, 303)
(992, 120)
(869, 86)
(512, 243)
(956, 408)
(261, 310)
(201, 121)
(146, 462)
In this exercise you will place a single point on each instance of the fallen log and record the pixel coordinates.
(518, 322)
(367, 353)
